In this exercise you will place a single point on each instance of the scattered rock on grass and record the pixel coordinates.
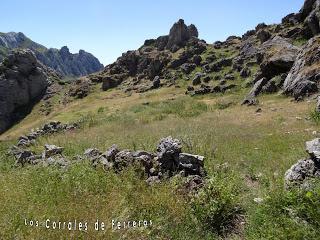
(304, 170)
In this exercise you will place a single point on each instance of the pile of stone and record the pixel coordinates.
(48, 128)
(52, 155)
(169, 160)
(305, 170)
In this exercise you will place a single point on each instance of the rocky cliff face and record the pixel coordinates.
(293, 69)
(304, 76)
(23, 80)
(62, 60)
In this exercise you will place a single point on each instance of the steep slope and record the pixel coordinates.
(67, 64)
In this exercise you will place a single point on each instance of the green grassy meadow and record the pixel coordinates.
(247, 154)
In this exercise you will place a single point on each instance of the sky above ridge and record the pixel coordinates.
(107, 28)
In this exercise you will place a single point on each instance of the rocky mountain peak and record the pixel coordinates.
(68, 64)
(64, 50)
(13, 40)
(180, 34)
(64, 53)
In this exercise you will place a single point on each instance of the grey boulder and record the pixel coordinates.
(168, 151)
(191, 164)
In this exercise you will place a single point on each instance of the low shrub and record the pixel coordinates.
(217, 206)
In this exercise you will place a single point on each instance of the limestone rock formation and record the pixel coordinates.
(257, 88)
(79, 88)
(276, 56)
(22, 81)
(180, 34)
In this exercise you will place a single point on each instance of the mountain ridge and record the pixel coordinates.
(60, 60)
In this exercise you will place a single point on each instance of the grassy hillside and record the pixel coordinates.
(247, 154)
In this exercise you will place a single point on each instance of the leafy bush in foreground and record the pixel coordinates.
(217, 206)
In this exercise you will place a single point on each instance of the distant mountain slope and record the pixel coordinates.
(62, 60)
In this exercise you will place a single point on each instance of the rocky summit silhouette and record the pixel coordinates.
(62, 61)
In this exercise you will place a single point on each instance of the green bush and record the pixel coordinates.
(315, 116)
(217, 206)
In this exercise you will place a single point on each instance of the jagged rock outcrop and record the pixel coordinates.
(62, 60)
(80, 88)
(276, 57)
(153, 64)
(23, 80)
(304, 76)
(180, 34)
(257, 88)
